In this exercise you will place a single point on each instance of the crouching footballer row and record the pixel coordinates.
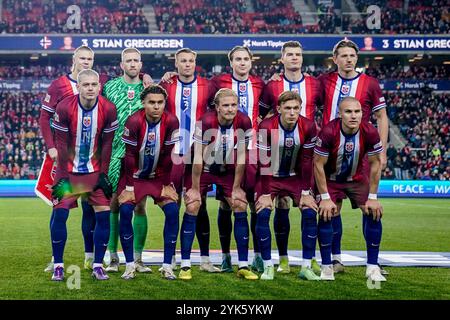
(283, 157)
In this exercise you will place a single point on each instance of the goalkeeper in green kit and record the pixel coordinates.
(125, 92)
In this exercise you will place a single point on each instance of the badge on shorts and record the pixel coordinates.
(289, 142)
(242, 87)
(186, 92)
(345, 89)
(130, 94)
(86, 121)
(349, 146)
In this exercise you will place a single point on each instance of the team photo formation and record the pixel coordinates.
(264, 146)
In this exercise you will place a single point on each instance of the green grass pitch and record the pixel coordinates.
(408, 225)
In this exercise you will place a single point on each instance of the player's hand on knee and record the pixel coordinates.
(61, 189)
(104, 184)
(167, 77)
(327, 209)
(308, 201)
(147, 80)
(169, 192)
(126, 196)
(264, 202)
(238, 199)
(374, 208)
(192, 196)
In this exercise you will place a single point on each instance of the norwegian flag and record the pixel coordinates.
(46, 180)
(45, 42)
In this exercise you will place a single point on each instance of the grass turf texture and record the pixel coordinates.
(408, 225)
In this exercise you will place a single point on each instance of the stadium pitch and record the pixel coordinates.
(409, 225)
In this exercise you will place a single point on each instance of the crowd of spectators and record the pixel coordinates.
(423, 119)
(220, 17)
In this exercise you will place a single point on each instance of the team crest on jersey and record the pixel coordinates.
(242, 87)
(186, 92)
(86, 121)
(345, 89)
(295, 90)
(349, 146)
(126, 132)
(289, 142)
(130, 94)
(151, 136)
(47, 98)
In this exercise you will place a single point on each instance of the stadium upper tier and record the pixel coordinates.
(222, 17)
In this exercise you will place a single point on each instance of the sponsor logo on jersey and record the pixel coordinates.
(186, 92)
(86, 121)
(289, 142)
(349, 146)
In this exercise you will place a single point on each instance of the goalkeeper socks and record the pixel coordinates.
(281, 227)
(372, 231)
(140, 234)
(171, 223)
(263, 234)
(114, 232)
(241, 234)
(309, 233)
(126, 230)
(325, 238)
(337, 235)
(187, 235)
(253, 222)
(101, 234)
(225, 227)
(87, 226)
(203, 230)
(58, 232)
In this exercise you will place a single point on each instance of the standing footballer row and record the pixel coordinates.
(257, 143)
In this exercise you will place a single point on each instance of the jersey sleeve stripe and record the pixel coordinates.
(262, 147)
(133, 143)
(379, 106)
(107, 130)
(309, 145)
(57, 127)
(371, 153)
(321, 153)
(47, 108)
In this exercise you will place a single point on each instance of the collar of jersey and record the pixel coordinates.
(245, 81)
(130, 84)
(303, 78)
(350, 79)
(81, 106)
(153, 124)
(188, 83)
(71, 79)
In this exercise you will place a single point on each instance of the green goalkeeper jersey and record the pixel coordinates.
(126, 98)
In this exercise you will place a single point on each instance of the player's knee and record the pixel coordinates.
(193, 208)
(101, 208)
(225, 206)
(240, 207)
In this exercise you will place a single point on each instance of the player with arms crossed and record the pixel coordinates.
(347, 82)
(220, 146)
(84, 125)
(149, 135)
(340, 149)
(286, 143)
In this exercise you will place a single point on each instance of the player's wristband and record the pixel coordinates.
(372, 196)
(128, 188)
(305, 192)
(325, 196)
